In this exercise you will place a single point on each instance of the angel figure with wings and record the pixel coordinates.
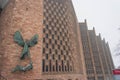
(25, 52)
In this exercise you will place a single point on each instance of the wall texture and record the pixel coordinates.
(25, 16)
(28, 16)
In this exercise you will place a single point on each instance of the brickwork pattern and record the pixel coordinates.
(56, 44)
(57, 52)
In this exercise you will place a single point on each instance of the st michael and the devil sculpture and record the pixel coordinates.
(25, 52)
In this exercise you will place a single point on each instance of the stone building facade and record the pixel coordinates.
(64, 51)
(56, 55)
(97, 55)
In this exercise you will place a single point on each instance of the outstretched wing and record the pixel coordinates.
(33, 40)
(18, 38)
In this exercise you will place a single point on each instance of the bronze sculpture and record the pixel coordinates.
(25, 52)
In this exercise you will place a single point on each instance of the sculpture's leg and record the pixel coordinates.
(29, 54)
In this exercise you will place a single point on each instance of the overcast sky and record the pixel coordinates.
(104, 15)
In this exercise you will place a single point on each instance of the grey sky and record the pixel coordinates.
(104, 15)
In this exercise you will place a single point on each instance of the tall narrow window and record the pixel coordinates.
(62, 66)
(59, 68)
(70, 68)
(46, 35)
(43, 65)
(53, 68)
(50, 65)
(65, 68)
(56, 66)
(52, 36)
(68, 65)
(43, 40)
(46, 45)
(46, 26)
(46, 56)
(53, 56)
(59, 57)
(43, 30)
(46, 68)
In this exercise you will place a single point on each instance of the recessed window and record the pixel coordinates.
(56, 52)
(49, 31)
(64, 47)
(43, 50)
(46, 45)
(53, 68)
(43, 40)
(46, 35)
(50, 41)
(55, 41)
(53, 46)
(52, 36)
(44, 30)
(70, 68)
(58, 38)
(62, 66)
(59, 57)
(53, 56)
(50, 51)
(59, 68)
(50, 65)
(58, 46)
(61, 42)
(61, 52)
(46, 56)
(46, 68)
(64, 57)
(65, 68)
(43, 65)
(56, 65)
